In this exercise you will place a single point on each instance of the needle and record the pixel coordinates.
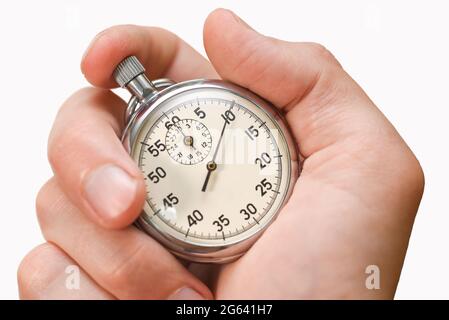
(188, 140)
(212, 165)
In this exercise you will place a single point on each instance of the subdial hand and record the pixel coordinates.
(188, 140)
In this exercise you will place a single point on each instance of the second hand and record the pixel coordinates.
(212, 165)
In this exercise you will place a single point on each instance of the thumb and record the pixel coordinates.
(321, 102)
(280, 71)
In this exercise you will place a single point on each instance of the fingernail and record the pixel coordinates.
(88, 48)
(110, 191)
(239, 20)
(185, 294)
(91, 43)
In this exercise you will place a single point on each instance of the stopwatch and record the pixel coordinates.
(219, 162)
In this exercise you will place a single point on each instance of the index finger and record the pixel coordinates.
(161, 52)
(84, 145)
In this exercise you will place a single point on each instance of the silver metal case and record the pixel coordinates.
(136, 116)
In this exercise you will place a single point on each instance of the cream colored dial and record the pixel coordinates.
(216, 166)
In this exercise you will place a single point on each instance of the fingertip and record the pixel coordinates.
(92, 63)
(115, 196)
(89, 160)
(130, 215)
(229, 40)
(239, 53)
(222, 15)
(156, 48)
(29, 278)
(218, 20)
(43, 272)
(105, 51)
(206, 292)
(279, 71)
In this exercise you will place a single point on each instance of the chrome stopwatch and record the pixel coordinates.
(218, 161)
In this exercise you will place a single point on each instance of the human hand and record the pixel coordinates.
(86, 209)
(353, 205)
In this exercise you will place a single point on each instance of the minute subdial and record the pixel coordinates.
(188, 141)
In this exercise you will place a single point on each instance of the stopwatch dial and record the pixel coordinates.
(216, 165)
(188, 141)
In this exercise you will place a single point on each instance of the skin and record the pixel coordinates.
(353, 205)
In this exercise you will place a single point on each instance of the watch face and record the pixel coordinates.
(217, 167)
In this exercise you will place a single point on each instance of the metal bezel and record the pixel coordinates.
(216, 254)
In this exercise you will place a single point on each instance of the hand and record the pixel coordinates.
(212, 166)
(353, 206)
(85, 211)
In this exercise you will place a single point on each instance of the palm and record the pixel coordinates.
(354, 203)
(336, 223)
(312, 239)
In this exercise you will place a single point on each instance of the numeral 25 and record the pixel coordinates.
(263, 186)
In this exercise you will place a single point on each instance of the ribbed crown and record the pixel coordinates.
(127, 70)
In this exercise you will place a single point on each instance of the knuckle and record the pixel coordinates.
(400, 166)
(64, 135)
(403, 174)
(255, 57)
(137, 260)
(78, 99)
(59, 148)
(44, 202)
(407, 182)
(124, 274)
(321, 52)
(413, 176)
(89, 110)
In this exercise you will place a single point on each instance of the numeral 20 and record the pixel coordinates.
(263, 160)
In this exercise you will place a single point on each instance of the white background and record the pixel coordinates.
(397, 50)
